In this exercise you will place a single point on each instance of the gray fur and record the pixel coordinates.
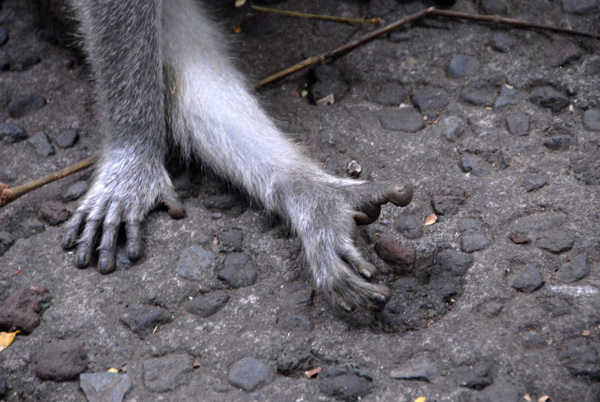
(145, 51)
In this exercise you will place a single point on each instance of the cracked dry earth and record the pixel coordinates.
(497, 128)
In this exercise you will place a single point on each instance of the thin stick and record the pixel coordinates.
(8, 195)
(403, 21)
(509, 21)
(317, 16)
(341, 49)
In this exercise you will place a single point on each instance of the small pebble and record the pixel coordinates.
(22, 309)
(402, 119)
(451, 127)
(508, 97)
(502, 42)
(421, 370)
(528, 279)
(430, 101)
(549, 98)
(591, 120)
(462, 65)
(340, 383)
(297, 294)
(42, 145)
(559, 142)
(476, 377)
(454, 261)
(207, 304)
(533, 340)
(166, 373)
(53, 213)
(575, 270)
(104, 387)
(250, 374)
(581, 359)
(231, 240)
(409, 227)
(492, 309)
(534, 181)
(473, 237)
(557, 241)
(479, 95)
(10, 133)
(60, 360)
(23, 105)
(67, 139)
(447, 204)
(142, 319)
(393, 253)
(196, 263)
(238, 270)
(475, 165)
(75, 191)
(518, 123)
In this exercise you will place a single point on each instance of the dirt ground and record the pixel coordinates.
(497, 128)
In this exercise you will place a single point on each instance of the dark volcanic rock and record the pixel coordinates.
(342, 384)
(22, 309)
(75, 191)
(10, 133)
(575, 270)
(454, 261)
(556, 241)
(420, 369)
(142, 319)
(430, 101)
(473, 237)
(462, 65)
(559, 142)
(53, 213)
(67, 139)
(197, 263)
(518, 123)
(508, 97)
(528, 279)
(250, 374)
(581, 6)
(534, 181)
(295, 358)
(297, 294)
(591, 119)
(232, 240)
(238, 270)
(451, 128)
(60, 360)
(402, 119)
(474, 164)
(23, 105)
(479, 95)
(409, 227)
(502, 42)
(478, 376)
(549, 98)
(447, 204)
(104, 387)
(581, 359)
(207, 304)
(166, 373)
(42, 145)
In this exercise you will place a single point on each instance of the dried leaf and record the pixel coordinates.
(312, 373)
(544, 398)
(6, 338)
(113, 370)
(239, 3)
(421, 399)
(431, 219)
(527, 398)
